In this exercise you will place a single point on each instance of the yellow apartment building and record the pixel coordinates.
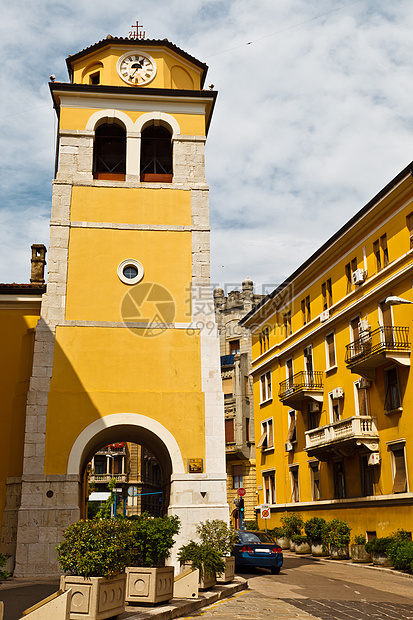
(119, 353)
(333, 390)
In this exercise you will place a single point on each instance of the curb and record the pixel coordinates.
(182, 607)
(383, 569)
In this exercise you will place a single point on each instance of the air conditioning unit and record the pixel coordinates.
(358, 276)
(313, 407)
(338, 392)
(288, 446)
(374, 459)
(363, 383)
(324, 316)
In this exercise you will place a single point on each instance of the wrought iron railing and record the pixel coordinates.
(381, 339)
(301, 381)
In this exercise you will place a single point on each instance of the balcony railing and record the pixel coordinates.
(107, 477)
(227, 360)
(380, 340)
(302, 381)
(358, 428)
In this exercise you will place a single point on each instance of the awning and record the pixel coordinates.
(99, 496)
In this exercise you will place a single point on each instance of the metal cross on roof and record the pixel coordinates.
(137, 34)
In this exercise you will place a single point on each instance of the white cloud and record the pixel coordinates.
(309, 124)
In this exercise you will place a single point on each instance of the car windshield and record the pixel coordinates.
(255, 537)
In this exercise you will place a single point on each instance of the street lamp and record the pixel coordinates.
(396, 301)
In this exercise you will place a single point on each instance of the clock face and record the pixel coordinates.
(136, 69)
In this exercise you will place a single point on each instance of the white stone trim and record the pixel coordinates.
(131, 102)
(110, 113)
(76, 456)
(158, 116)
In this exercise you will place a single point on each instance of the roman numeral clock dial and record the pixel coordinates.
(136, 69)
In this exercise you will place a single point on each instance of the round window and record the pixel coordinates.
(130, 271)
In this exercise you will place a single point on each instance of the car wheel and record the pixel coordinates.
(275, 570)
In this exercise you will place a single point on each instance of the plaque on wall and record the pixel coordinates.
(195, 466)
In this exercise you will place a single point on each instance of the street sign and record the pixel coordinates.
(117, 490)
(265, 511)
(241, 492)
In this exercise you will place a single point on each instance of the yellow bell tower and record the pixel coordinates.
(126, 347)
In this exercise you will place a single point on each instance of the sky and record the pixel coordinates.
(314, 116)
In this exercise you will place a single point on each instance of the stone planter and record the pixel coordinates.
(292, 545)
(149, 585)
(229, 573)
(317, 549)
(339, 553)
(359, 554)
(302, 548)
(207, 580)
(284, 543)
(381, 559)
(95, 598)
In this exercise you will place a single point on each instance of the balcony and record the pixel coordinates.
(227, 360)
(300, 386)
(374, 348)
(342, 437)
(108, 477)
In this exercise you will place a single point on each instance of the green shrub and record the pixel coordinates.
(278, 532)
(152, 539)
(359, 539)
(3, 573)
(251, 525)
(96, 548)
(300, 540)
(203, 557)
(292, 523)
(218, 535)
(314, 528)
(379, 545)
(401, 555)
(336, 533)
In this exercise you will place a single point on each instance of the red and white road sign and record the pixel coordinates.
(241, 492)
(265, 511)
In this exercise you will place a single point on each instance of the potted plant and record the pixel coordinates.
(203, 557)
(4, 574)
(293, 524)
(280, 535)
(148, 580)
(314, 531)
(221, 537)
(379, 547)
(336, 534)
(94, 554)
(358, 550)
(302, 544)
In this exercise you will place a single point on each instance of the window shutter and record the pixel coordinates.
(400, 481)
(362, 398)
(270, 442)
(236, 470)
(262, 439)
(227, 385)
(331, 350)
(229, 430)
(291, 430)
(316, 472)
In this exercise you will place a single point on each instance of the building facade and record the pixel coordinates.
(333, 389)
(120, 354)
(235, 348)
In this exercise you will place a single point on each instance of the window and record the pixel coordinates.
(308, 365)
(336, 408)
(237, 478)
(289, 373)
(247, 430)
(313, 414)
(130, 271)
(227, 387)
(94, 78)
(398, 456)
(305, 309)
(246, 387)
(295, 488)
(234, 347)
(109, 152)
(156, 154)
(267, 438)
(265, 339)
(384, 249)
(330, 351)
(292, 429)
(361, 393)
(376, 250)
(381, 252)
(391, 382)
(266, 391)
(287, 324)
(269, 487)
(229, 430)
(409, 222)
(327, 293)
(366, 476)
(100, 465)
(349, 280)
(315, 480)
(339, 480)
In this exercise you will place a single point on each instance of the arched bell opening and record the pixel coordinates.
(156, 154)
(117, 445)
(109, 152)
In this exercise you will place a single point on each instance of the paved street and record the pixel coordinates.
(309, 589)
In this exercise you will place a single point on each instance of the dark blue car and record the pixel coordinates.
(257, 549)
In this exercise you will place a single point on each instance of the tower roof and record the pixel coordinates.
(110, 41)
